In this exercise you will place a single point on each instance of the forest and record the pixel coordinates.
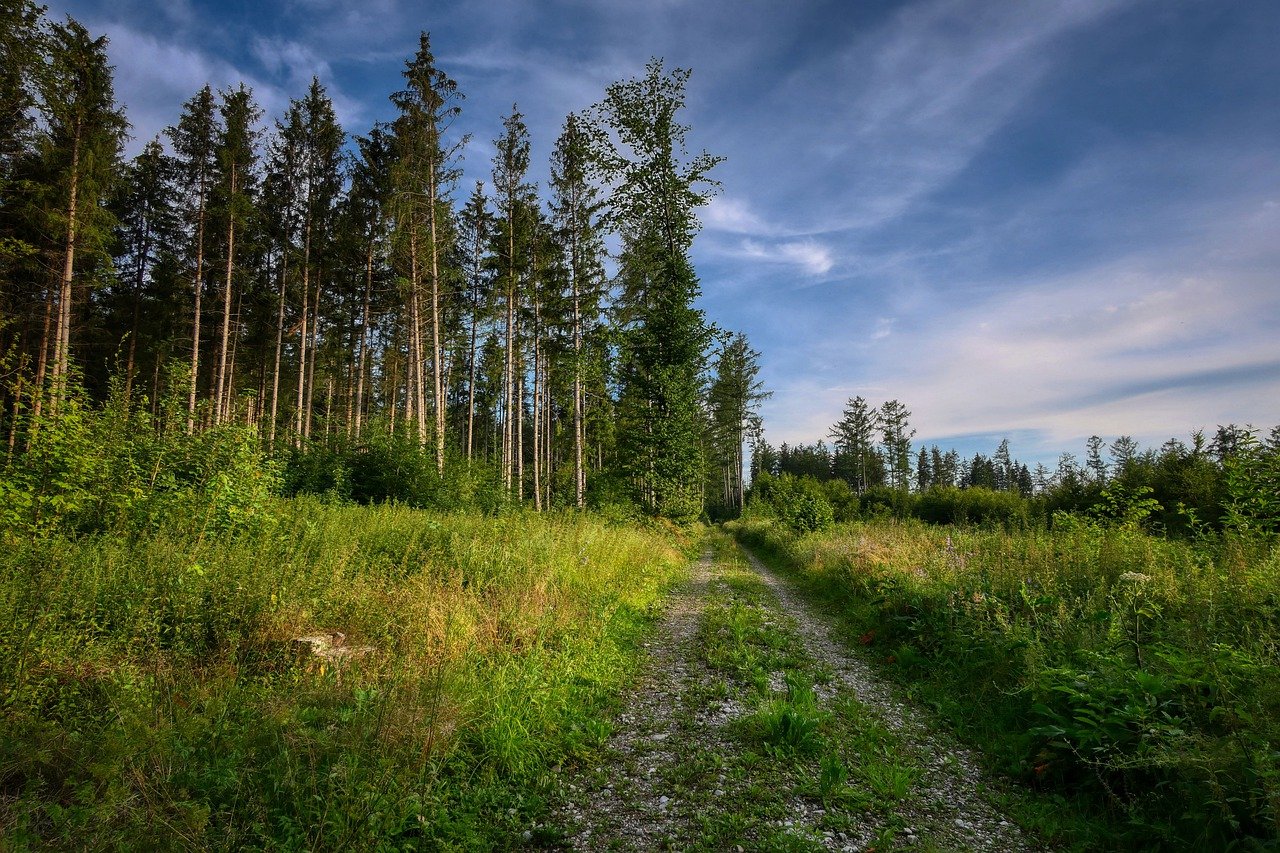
(341, 505)
(341, 294)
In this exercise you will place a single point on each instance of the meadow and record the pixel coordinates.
(156, 692)
(1131, 678)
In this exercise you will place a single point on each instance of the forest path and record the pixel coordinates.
(751, 727)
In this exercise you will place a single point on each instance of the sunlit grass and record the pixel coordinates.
(160, 684)
(1136, 670)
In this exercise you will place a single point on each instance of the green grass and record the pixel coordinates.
(1131, 679)
(787, 745)
(152, 689)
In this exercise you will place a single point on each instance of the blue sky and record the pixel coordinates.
(1039, 220)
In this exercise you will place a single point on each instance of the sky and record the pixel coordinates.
(1034, 220)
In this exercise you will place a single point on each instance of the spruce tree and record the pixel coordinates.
(194, 140)
(656, 189)
(80, 147)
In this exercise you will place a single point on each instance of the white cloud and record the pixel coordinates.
(811, 257)
(1137, 347)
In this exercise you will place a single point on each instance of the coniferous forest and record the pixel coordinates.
(346, 504)
(341, 294)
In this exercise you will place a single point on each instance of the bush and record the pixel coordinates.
(975, 505)
(798, 502)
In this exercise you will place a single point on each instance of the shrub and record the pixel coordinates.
(798, 502)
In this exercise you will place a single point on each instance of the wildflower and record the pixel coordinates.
(1136, 577)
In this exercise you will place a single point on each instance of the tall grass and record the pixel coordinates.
(152, 692)
(1135, 669)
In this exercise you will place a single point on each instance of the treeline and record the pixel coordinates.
(333, 291)
(1229, 479)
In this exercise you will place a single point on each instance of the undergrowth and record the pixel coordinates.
(1130, 676)
(153, 690)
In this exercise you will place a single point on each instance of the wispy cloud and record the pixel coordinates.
(812, 258)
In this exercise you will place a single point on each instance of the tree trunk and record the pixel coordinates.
(364, 339)
(275, 372)
(197, 287)
(302, 350)
(220, 385)
(436, 373)
(311, 359)
(62, 357)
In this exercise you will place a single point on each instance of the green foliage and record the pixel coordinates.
(393, 468)
(798, 502)
(158, 682)
(1129, 673)
(790, 726)
(1253, 486)
(119, 469)
(1129, 508)
(974, 505)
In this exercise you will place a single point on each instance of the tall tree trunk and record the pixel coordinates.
(419, 361)
(311, 358)
(42, 362)
(220, 385)
(302, 356)
(197, 288)
(275, 372)
(364, 339)
(436, 372)
(579, 474)
(62, 356)
(537, 392)
(471, 386)
(229, 400)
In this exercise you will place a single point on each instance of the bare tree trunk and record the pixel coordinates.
(436, 373)
(579, 474)
(537, 391)
(197, 287)
(228, 403)
(419, 389)
(42, 363)
(471, 363)
(220, 385)
(520, 390)
(364, 339)
(275, 373)
(311, 359)
(509, 375)
(302, 352)
(62, 347)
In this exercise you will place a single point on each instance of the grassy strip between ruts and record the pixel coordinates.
(154, 693)
(1130, 679)
(796, 771)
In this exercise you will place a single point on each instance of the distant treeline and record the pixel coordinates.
(1229, 478)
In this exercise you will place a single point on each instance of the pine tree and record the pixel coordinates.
(655, 192)
(475, 228)
(734, 397)
(80, 150)
(194, 140)
(896, 439)
(510, 165)
(148, 229)
(575, 206)
(422, 174)
(854, 437)
(366, 207)
(236, 157)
